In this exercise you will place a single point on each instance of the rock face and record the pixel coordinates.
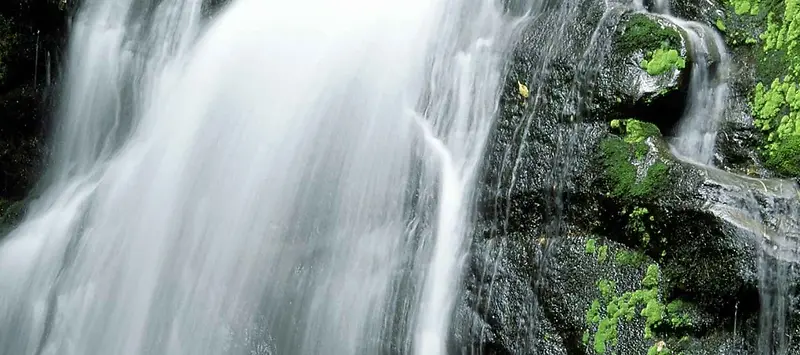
(591, 237)
(31, 41)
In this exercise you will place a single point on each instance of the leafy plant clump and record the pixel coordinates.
(776, 98)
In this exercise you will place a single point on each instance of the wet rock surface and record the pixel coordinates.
(32, 39)
(576, 196)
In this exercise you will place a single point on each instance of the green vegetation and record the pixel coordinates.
(636, 224)
(777, 112)
(621, 172)
(603, 322)
(607, 288)
(742, 7)
(638, 131)
(643, 32)
(663, 60)
(591, 246)
(721, 25)
(629, 258)
(776, 98)
(659, 42)
(650, 279)
(659, 348)
(602, 254)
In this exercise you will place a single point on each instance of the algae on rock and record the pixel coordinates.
(776, 97)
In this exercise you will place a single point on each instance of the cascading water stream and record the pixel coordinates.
(291, 178)
(696, 133)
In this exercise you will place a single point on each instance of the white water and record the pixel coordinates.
(293, 178)
(696, 134)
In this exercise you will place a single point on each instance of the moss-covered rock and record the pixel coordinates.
(630, 170)
(647, 75)
(765, 33)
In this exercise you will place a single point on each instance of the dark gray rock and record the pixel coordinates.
(32, 37)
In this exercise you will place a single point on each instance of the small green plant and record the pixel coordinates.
(663, 60)
(720, 25)
(776, 98)
(591, 246)
(607, 288)
(651, 276)
(602, 254)
(636, 223)
(659, 348)
(645, 33)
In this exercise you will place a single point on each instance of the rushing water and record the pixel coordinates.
(708, 93)
(291, 178)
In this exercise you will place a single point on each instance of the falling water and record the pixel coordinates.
(696, 133)
(291, 178)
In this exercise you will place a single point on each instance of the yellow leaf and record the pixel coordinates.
(523, 90)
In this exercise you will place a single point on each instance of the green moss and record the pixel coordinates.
(606, 335)
(660, 44)
(776, 98)
(663, 60)
(642, 32)
(677, 314)
(593, 314)
(607, 288)
(637, 131)
(591, 246)
(653, 314)
(603, 323)
(637, 224)
(651, 276)
(602, 254)
(629, 258)
(720, 25)
(784, 155)
(742, 7)
(659, 348)
(619, 169)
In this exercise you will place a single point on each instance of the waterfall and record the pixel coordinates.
(708, 93)
(288, 178)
